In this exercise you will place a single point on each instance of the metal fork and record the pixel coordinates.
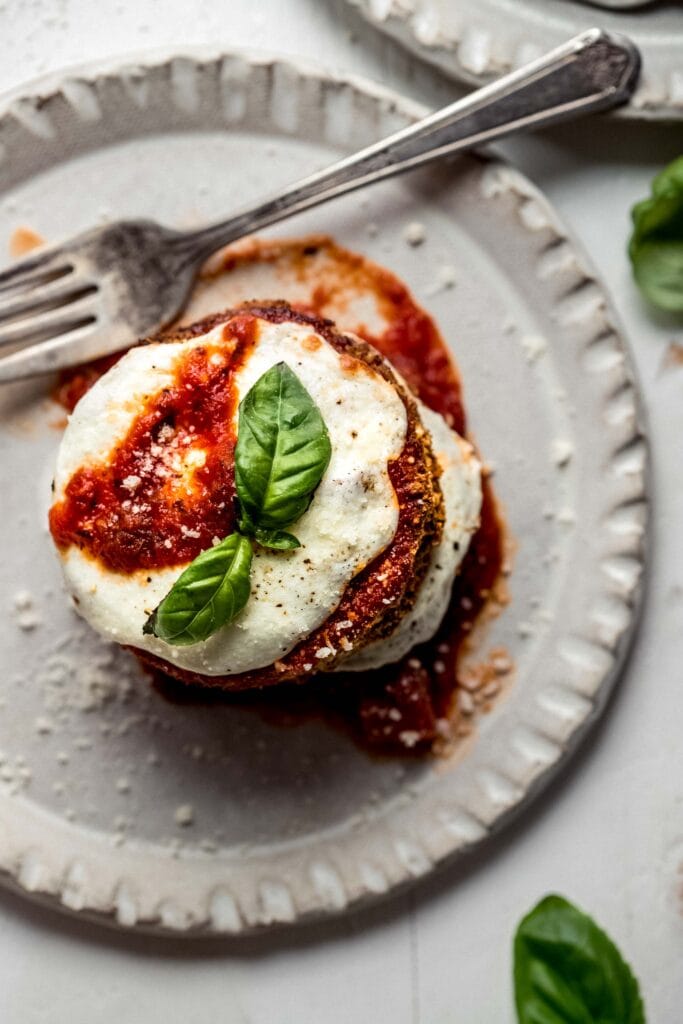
(102, 290)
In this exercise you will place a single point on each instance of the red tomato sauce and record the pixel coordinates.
(168, 488)
(412, 343)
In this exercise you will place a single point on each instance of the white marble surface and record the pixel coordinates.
(609, 834)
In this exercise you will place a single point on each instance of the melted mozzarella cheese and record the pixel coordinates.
(292, 592)
(461, 487)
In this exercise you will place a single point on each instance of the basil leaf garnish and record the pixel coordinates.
(282, 451)
(656, 245)
(567, 970)
(210, 593)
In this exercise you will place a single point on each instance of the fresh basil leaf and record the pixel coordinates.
(210, 593)
(282, 451)
(656, 245)
(277, 539)
(567, 970)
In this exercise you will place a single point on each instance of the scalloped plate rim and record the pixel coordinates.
(441, 53)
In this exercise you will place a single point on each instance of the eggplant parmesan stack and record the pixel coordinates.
(258, 498)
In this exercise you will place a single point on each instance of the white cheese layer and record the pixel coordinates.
(352, 518)
(461, 487)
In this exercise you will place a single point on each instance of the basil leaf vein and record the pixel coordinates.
(568, 971)
(656, 244)
(209, 594)
(283, 449)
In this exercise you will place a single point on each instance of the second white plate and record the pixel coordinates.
(477, 40)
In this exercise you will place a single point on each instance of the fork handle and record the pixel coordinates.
(592, 72)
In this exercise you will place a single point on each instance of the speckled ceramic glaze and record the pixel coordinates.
(477, 40)
(143, 813)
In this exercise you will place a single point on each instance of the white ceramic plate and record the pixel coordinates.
(477, 40)
(288, 823)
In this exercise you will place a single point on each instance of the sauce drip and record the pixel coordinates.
(411, 343)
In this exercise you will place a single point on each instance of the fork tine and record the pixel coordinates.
(47, 356)
(45, 266)
(47, 325)
(41, 300)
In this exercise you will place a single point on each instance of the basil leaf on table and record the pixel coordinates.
(207, 595)
(283, 449)
(568, 971)
(656, 245)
